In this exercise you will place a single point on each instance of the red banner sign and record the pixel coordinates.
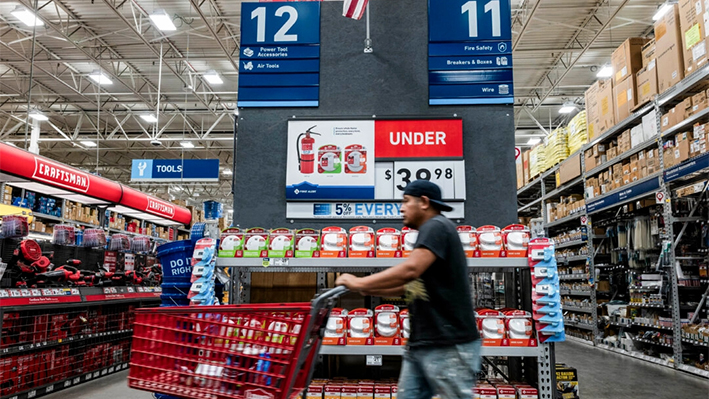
(60, 175)
(437, 138)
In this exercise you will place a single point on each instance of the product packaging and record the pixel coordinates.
(362, 242)
(359, 327)
(256, 243)
(506, 391)
(388, 243)
(231, 244)
(516, 240)
(469, 239)
(526, 392)
(329, 159)
(408, 240)
(489, 241)
(545, 291)
(355, 159)
(491, 324)
(280, 243)
(336, 328)
(387, 325)
(333, 242)
(394, 391)
(519, 326)
(349, 391)
(307, 243)
(382, 391)
(405, 326)
(315, 391)
(66, 235)
(484, 391)
(333, 391)
(365, 390)
(567, 381)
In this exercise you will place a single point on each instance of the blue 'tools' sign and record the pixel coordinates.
(202, 170)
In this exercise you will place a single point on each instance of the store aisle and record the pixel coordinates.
(114, 386)
(604, 375)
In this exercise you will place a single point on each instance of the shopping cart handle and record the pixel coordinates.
(329, 295)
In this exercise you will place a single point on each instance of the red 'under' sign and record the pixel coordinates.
(427, 138)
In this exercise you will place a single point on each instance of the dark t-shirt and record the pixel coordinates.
(441, 309)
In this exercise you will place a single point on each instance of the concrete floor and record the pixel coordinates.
(602, 375)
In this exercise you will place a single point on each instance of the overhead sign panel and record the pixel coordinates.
(470, 52)
(167, 170)
(280, 52)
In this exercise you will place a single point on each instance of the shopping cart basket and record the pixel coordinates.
(254, 351)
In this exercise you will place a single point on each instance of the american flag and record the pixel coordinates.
(354, 8)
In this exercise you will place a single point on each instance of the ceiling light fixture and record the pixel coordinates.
(196, 194)
(534, 141)
(26, 16)
(150, 118)
(100, 78)
(87, 143)
(662, 11)
(38, 116)
(606, 71)
(230, 211)
(162, 21)
(227, 172)
(212, 77)
(567, 108)
(187, 144)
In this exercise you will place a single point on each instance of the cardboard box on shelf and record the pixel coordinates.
(648, 52)
(682, 147)
(699, 102)
(624, 94)
(637, 136)
(697, 147)
(569, 169)
(668, 50)
(599, 149)
(520, 174)
(606, 106)
(592, 110)
(525, 166)
(665, 121)
(649, 125)
(668, 157)
(611, 153)
(642, 160)
(692, 25)
(589, 160)
(682, 111)
(647, 83)
(626, 168)
(627, 59)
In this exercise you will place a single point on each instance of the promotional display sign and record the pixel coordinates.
(165, 170)
(330, 160)
(279, 64)
(357, 210)
(470, 52)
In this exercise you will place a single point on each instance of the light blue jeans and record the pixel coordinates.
(449, 371)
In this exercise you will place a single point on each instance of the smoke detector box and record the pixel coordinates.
(362, 243)
(516, 240)
(468, 239)
(333, 242)
(336, 328)
(355, 159)
(387, 325)
(281, 243)
(491, 324)
(389, 243)
(489, 241)
(526, 392)
(405, 326)
(506, 391)
(408, 240)
(520, 327)
(485, 391)
(231, 243)
(360, 329)
(256, 243)
(307, 243)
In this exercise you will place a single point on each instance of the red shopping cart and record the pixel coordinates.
(255, 351)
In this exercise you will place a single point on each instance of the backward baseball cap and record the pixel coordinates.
(420, 188)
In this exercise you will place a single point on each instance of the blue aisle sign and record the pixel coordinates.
(167, 170)
(470, 52)
(633, 191)
(685, 168)
(280, 51)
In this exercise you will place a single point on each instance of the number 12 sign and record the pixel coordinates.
(469, 20)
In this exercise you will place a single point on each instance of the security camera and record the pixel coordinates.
(156, 143)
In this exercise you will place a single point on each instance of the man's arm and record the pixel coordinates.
(393, 278)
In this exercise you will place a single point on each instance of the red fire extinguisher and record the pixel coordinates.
(306, 155)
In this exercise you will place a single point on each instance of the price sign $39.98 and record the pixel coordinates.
(394, 177)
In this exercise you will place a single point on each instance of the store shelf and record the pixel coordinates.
(564, 188)
(48, 217)
(570, 244)
(683, 86)
(583, 326)
(621, 157)
(27, 347)
(93, 226)
(648, 305)
(620, 325)
(69, 382)
(577, 258)
(622, 126)
(361, 350)
(645, 341)
(575, 309)
(526, 207)
(576, 293)
(687, 123)
(622, 195)
(565, 220)
(539, 179)
(579, 276)
(698, 165)
(117, 231)
(636, 355)
(323, 264)
(579, 340)
(695, 342)
(62, 297)
(693, 370)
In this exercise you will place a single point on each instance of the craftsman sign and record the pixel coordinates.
(161, 208)
(60, 175)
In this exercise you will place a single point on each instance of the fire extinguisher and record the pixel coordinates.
(306, 155)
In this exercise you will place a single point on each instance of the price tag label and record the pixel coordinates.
(448, 175)
(374, 360)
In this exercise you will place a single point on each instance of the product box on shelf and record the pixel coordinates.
(506, 391)
(469, 240)
(489, 241)
(693, 28)
(388, 243)
(307, 243)
(668, 50)
(315, 391)
(349, 391)
(334, 243)
(386, 325)
(516, 240)
(382, 391)
(280, 243)
(359, 327)
(336, 328)
(606, 106)
(408, 240)
(519, 327)
(484, 391)
(256, 242)
(491, 324)
(526, 392)
(333, 391)
(627, 59)
(365, 391)
(591, 98)
(405, 326)
(625, 98)
(362, 242)
(648, 52)
(567, 381)
(231, 243)
(647, 83)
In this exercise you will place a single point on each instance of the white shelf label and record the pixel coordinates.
(374, 360)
